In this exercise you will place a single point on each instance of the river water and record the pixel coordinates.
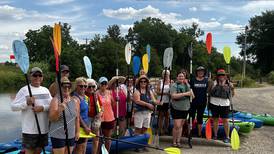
(10, 122)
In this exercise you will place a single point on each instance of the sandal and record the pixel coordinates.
(179, 145)
(174, 145)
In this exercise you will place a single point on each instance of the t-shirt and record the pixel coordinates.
(183, 103)
(165, 98)
(42, 98)
(199, 89)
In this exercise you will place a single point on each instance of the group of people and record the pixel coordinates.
(92, 107)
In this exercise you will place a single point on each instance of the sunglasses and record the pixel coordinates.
(37, 75)
(65, 72)
(93, 86)
(143, 81)
(82, 86)
(104, 83)
(66, 86)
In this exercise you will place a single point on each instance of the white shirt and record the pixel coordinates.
(219, 101)
(42, 98)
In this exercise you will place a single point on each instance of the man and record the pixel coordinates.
(39, 104)
(53, 87)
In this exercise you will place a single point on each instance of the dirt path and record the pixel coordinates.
(259, 141)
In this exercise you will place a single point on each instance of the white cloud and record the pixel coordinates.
(5, 2)
(213, 19)
(3, 46)
(258, 6)
(233, 27)
(194, 9)
(125, 27)
(54, 2)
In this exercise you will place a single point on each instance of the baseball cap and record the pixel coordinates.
(35, 70)
(64, 68)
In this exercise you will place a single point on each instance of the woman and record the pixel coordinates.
(199, 85)
(81, 85)
(144, 105)
(163, 109)
(122, 101)
(180, 93)
(95, 113)
(71, 107)
(220, 92)
(108, 120)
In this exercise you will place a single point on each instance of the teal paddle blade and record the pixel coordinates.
(136, 65)
(88, 66)
(21, 55)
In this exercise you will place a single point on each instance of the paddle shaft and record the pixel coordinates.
(35, 115)
(190, 116)
(128, 97)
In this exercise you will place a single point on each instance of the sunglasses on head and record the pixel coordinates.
(37, 75)
(82, 86)
(93, 86)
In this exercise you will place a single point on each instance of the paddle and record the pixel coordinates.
(22, 59)
(145, 62)
(128, 50)
(148, 52)
(190, 54)
(235, 139)
(169, 150)
(88, 66)
(208, 123)
(56, 43)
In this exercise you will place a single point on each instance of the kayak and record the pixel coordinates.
(258, 123)
(140, 139)
(265, 118)
(19, 151)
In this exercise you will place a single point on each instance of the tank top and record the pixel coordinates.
(165, 98)
(122, 103)
(143, 97)
(57, 127)
(83, 108)
(108, 114)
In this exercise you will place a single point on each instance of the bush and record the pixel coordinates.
(270, 77)
(247, 82)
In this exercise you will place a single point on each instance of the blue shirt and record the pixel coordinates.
(83, 108)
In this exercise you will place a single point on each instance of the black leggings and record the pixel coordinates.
(199, 108)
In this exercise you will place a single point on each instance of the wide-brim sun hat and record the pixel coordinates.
(142, 77)
(121, 79)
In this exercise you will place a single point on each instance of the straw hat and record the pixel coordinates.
(142, 77)
(113, 80)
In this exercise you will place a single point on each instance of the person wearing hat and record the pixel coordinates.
(53, 88)
(38, 103)
(220, 91)
(121, 97)
(107, 101)
(70, 106)
(95, 113)
(144, 105)
(180, 93)
(199, 85)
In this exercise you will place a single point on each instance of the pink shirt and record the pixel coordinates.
(107, 115)
(122, 103)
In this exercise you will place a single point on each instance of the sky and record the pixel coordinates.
(225, 19)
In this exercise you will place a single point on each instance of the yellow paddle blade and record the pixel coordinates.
(227, 54)
(149, 131)
(84, 135)
(172, 150)
(235, 140)
(145, 62)
(57, 37)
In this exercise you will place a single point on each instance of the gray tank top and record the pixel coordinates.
(57, 127)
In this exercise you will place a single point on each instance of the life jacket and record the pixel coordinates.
(221, 91)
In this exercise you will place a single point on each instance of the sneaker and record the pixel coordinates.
(227, 140)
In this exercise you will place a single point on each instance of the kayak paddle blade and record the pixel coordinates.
(149, 131)
(88, 66)
(84, 135)
(21, 55)
(208, 130)
(208, 42)
(57, 37)
(128, 49)
(235, 140)
(227, 54)
(136, 65)
(104, 149)
(56, 55)
(148, 52)
(190, 51)
(145, 62)
(172, 150)
(168, 56)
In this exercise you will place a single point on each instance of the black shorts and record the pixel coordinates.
(108, 125)
(60, 143)
(163, 108)
(178, 114)
(81, 140)
(219, 111)
(198, 108)
(32, 141)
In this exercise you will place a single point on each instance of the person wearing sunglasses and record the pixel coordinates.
(53, 88)
(38, 103)
(107, 101)
(180, 93)
(95, 113)
(80, 89)
(70, 106)
(220, 91)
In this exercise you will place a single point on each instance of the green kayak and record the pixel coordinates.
(266, 118)
(245, 127)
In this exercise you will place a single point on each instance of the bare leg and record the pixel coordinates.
(215, 126)
(107, 133)
(226, 127)
(95, 143)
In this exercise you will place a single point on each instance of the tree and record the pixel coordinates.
(260, 41)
